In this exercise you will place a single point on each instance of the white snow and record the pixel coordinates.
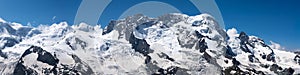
(232, 33)
(191, 19)
(16, 26)
(3, 21)
(275, 45)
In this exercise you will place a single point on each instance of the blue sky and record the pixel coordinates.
(275, 20)
(38, 11)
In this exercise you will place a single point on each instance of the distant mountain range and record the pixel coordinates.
(139, 45)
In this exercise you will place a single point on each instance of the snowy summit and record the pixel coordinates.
(3, 21)
(140, 45)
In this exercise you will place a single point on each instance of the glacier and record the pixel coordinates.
(171, 44)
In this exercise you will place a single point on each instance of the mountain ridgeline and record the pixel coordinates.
(171, 44)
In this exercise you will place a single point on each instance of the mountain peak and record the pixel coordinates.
(169, 44)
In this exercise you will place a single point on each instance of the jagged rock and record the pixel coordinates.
(264, 65)
(202, 45)
(235, 62)
(42, 56)
(252, 58)
(22, 70)
(109, 27)
(126, 26)
(73, 42)
(171, 19)
(255, 71)
(226, 61)
(140, 45)
(264, 56)
(165, 56)
(279, 70)
(297, 59)
(233, 70)
(229, 52)
(152, 68)
(243, 37)
(271, 57)
(207, 57)
(3, 55)
(46, 57)
(148, 59)
(244, 42)
(82, 67)
(187, 40)
(173, 70)
(297, 52)
(288, 71)
(197, 23)
(275, 68)
(105, 47)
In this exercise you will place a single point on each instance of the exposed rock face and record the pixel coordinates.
(297, 59)
(202, 46)
(109, 27)
(43, 56)
(76, 41)
(140, 45)
(229, 52)
(244, 42)
(48, 63)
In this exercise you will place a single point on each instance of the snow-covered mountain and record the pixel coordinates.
(140, 45)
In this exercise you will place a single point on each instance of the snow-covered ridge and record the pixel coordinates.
(3, 21)
(140, 45)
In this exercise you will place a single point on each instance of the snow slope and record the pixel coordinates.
(140, 45)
